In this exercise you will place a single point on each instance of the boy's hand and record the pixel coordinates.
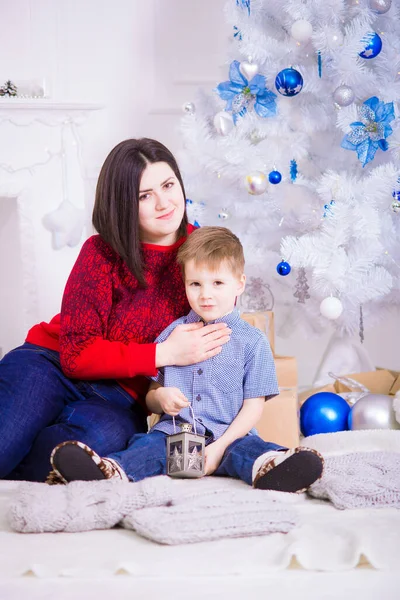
(171, 400)
(214, 453)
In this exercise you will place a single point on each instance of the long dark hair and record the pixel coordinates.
(116, 208)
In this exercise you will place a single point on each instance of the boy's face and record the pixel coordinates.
(212, 294)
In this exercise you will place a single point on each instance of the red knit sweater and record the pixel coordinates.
(108, 324)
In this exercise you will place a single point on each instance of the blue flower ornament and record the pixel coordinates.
(242, 94)
(370, 133)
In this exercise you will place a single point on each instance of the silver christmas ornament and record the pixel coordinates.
(224, 215)
(373, 411)
(223, 122)
(396, 206)
(189, 108)
(256, 183)
(380, 6)
(343, 95)
(248, 69)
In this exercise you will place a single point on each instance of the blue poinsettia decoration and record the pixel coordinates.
(370, 133)
(242, 94)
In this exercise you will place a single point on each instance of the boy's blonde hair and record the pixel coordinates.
(210, 246)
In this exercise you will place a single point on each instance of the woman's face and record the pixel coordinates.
(161, 205)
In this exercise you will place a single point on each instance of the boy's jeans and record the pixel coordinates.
(146, 456)
(40, 407)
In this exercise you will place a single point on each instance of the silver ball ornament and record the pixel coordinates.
(343, 95)
(380, 6)
(223, 122)
(331, 308)
(301, 30)
(256, 183)
(373, 411)
(189, 108)
(224, 215)
(396, 206)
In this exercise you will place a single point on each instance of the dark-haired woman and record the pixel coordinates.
(83, 376)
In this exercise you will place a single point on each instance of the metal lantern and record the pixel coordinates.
(185, 453)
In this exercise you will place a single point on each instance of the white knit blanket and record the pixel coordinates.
(172, 511)
(165, 510)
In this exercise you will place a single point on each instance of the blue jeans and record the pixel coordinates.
(146, 456)
(41, 407)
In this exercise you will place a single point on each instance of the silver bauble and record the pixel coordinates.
(343, 95)
(256, 183)
(223, 122)
(224, 215)
(189, 108)
(380, 6)
(373, 411)
(396, 206)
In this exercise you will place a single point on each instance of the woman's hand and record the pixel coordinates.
(214, 453)
(192, 343)
(171, 400)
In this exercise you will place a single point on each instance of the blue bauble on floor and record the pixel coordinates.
(324, 412)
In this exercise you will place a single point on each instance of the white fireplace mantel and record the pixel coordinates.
(45, 104)
(41, 166)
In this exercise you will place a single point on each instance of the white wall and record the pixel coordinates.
(141, 60)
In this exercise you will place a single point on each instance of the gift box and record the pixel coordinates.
(381, 381)
(279, 422)
(263, 321)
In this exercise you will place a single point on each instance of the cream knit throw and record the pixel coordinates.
(165, 510)
(360, 480)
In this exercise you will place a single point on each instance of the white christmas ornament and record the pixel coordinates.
(380, 6)
(331, 308)
(301, 30)
(256, 183)
(66, 225)
(343, 95)
(189, 108)
(248, 69)
(223, 122)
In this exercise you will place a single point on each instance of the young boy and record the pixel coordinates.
(226, 392)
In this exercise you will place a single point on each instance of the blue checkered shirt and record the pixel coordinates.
(217, 387)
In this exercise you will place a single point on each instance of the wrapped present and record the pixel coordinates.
(381, 381)
(279, 422)
(263, 321)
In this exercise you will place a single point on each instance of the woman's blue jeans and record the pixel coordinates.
(41, 407)
(146, 456)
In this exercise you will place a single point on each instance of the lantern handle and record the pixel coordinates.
(194, 421)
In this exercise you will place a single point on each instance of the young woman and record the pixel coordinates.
(83, 376)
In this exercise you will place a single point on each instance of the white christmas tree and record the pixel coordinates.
(298, 152)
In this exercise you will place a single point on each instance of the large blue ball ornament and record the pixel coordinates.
(373, 45)
(289, 82)
(324, 412)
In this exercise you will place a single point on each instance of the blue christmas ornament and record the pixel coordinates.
(242, 94)
(283, 268)
(275, 177)
(324, 412)
(373, 45)
(293, 170)
(289, 82)
(370, 132)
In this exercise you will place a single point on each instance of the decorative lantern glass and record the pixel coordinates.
(185, 452)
